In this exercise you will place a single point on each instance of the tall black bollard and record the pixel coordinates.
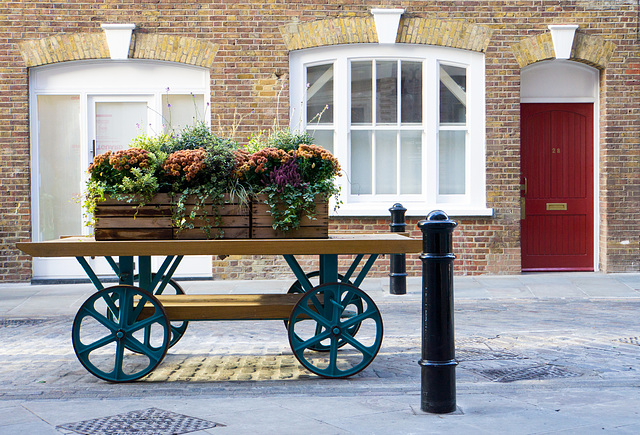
(438, 394)
(398, 266)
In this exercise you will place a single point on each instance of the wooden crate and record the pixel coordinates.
(235, 221)
(121, 220)
(261, 223)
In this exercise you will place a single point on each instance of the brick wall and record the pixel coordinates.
(251, 39)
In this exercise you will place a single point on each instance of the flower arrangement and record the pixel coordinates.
(291, 180)
(285, 169)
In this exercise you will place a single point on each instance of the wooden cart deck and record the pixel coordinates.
(390, 243)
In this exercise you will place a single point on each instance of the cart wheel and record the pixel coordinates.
(178, 328)
(318, 320)
(355, 308)
(100, 340)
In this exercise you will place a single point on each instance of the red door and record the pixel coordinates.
(557, 186)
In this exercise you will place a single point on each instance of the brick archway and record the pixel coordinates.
(592, 50)
(85, 46)
(455, 34)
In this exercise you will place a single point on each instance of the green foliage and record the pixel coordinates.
(280, 139)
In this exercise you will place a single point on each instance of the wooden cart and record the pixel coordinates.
(122, 332)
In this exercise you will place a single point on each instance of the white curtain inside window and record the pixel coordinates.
(411, 162)
(451, 168)
(59, 169)
(361, 162)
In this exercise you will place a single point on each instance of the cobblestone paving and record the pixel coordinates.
(518, 342)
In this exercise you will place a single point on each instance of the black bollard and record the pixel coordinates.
(398, 266)
(438, 364)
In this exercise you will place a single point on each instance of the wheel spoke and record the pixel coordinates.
(370, 313)
(90, 311)
(154, 354)
(333, 357)
(144, 323)
(111, 306)
(138, 309)
(346, 300)
(117, 369)
(87, 349)
(361, 347)
(315, 316)
(310, 342)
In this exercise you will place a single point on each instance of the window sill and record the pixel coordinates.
(413, 210)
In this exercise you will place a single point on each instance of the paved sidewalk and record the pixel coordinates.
(538, 353)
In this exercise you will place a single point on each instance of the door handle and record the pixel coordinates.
(523, 187)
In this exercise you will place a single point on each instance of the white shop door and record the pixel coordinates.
(69, 128)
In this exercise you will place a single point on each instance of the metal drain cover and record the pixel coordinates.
(483, 355)
(13, 323)
(547, 371)
(150, 421)
(630, 340)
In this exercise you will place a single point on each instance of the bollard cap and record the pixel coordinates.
(397, 207)
(437, 219)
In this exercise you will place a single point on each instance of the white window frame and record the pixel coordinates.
(473, 201)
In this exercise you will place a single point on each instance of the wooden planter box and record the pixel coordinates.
(121, 220)
(235, 221)
(261, 223)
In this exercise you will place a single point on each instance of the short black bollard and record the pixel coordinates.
(438, 393)
(398, 266)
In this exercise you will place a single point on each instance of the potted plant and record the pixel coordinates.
(292, 181)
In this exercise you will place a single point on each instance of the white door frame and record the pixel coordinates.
(563, 81)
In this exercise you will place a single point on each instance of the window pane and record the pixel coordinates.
(118, 123)
(451, 165)
(59, 165)
(180, 111)
(361, 162)
(453, 94)
(386, 162)
(323, 138)
(386, 92)
(320, 94)
(411, 88)
(411, 162)
(361, 93)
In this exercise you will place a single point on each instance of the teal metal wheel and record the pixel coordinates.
(178, 327)
(354, 308)
(128, 342)
(318, 321)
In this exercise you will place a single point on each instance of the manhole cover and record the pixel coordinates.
(526, 373)
(630, 340)
(12, 323)
(145, 422)
(483, 355)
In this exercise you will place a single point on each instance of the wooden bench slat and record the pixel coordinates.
(227, 307)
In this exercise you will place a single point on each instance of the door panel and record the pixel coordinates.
(557, 186)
